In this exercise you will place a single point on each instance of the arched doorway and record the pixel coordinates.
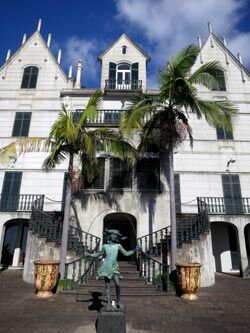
(126, 224)
(225, 247)
(247, 240)
(14, 244)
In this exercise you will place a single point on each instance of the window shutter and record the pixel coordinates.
(134, 76)
(177, 191)
(232, 194)
(112, 71)
(11, 190)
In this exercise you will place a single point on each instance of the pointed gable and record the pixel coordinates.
(237, 77)
(34, 52)
(124, 66)
(122, 40)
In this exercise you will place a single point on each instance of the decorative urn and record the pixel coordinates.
(188, 279)
(46, 276)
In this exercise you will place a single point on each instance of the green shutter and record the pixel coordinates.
(134, 76)
(177, 191)
(232, 194)
(11, 190)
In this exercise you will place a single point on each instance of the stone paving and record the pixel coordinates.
(224, 307)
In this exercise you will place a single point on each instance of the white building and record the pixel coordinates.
(134, 200)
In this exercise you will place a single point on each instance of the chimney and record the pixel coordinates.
(79, 68)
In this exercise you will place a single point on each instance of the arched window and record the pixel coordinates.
(220, 76)
(30, 75)
(123, 73)
(124, 49)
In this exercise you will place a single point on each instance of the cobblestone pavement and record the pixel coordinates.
(224, 307)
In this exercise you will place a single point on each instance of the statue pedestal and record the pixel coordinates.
(111, 322)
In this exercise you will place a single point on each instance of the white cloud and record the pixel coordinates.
(169, 25)
(85, 50)
(240, 43)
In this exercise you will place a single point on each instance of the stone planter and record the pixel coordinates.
(46, 275)
(188, 279)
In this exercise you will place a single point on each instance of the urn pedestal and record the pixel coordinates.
(46, 275)
(188, 279)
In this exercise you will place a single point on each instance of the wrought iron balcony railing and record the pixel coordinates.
(123, 85)
(221, 205)
(20, 202)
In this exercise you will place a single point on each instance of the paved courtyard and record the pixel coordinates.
(225, 307)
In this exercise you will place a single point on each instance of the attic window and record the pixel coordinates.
(30, 75)
(124, 49)
(220, 77)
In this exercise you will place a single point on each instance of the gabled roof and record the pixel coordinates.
(230, 54)
(99, 58)
(36, 33)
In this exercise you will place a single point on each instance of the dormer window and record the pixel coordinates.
(30, 75)
(124, 49)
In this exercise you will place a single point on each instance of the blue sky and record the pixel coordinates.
(83, 29)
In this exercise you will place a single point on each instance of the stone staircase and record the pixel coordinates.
(133, 287)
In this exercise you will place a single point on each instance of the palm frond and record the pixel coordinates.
(219, 113)
(64, 128)
(91, 110)
(57, 155)
(205, 75)
(21, 146)
(114, 143)
(137, 113)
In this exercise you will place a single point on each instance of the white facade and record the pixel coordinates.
(199, 169)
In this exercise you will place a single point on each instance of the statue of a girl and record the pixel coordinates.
(109, 268)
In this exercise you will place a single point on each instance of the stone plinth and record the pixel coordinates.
(111, 322)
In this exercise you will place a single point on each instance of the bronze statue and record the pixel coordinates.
(109, 268)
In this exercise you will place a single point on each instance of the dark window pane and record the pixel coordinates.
(124, 49)
(98, 182)
(124, 67)
(30, 75)
(221, 85)
(148, 173)
(120, 174)
(21, 124)
(222, 134)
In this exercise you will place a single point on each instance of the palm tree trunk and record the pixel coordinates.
(170, 175)
(65, 230)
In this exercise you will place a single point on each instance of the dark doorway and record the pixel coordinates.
(15, 237)
(126, 224)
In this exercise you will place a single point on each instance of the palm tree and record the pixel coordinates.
(163, 119)
(72, 139)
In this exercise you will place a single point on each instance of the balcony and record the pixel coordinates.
(103, 118)
(123, 85)
(20, 202)
(221, 205)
